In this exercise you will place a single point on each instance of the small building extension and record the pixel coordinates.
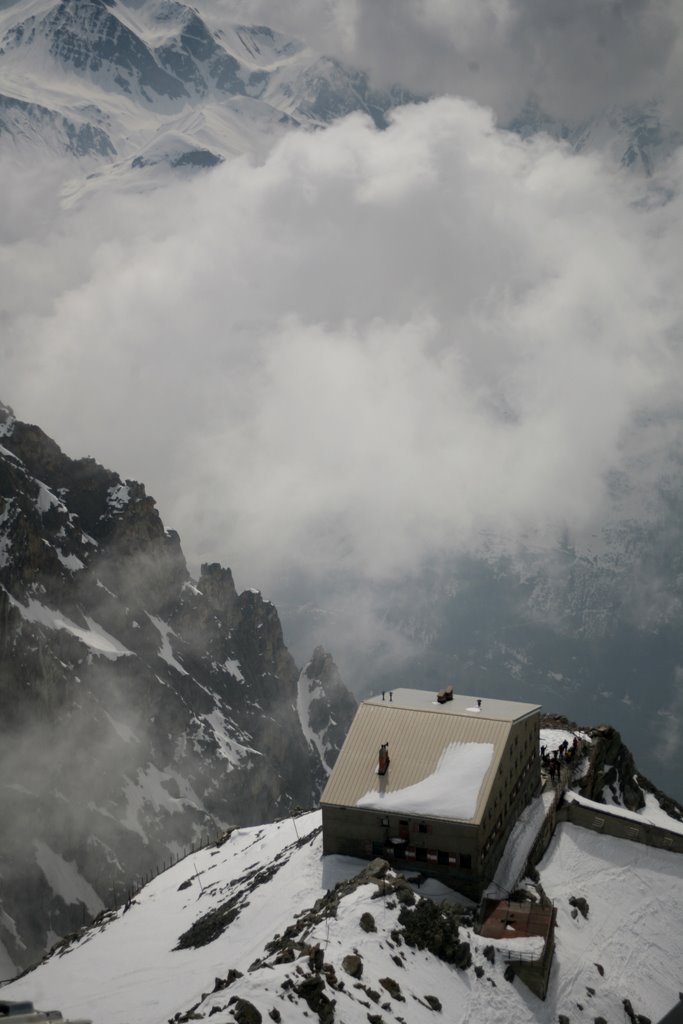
(433, 782)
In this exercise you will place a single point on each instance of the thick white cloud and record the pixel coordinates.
(364, 351)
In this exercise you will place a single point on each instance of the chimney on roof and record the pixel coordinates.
(391, 695)
(443, 696)
(383, 763)
(382, 694)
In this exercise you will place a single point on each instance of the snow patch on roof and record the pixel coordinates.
(451, 791)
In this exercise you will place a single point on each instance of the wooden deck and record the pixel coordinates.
(504, 919)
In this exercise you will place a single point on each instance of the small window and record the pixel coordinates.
(442, 857)
(420, 853)
(423, 827)
(466, 861)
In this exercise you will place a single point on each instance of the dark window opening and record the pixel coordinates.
(423, 827)
(442, 857)
(466, 861)
(420, 853)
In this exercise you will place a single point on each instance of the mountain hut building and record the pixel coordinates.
(433, 783)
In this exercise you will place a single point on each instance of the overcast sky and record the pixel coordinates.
(373, 350)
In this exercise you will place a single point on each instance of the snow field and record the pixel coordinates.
(129, 973)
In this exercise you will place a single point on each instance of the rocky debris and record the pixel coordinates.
(223, 983)
(435, 928)
(353, 965)
(635, 1018)
(563, 1019)
(434, 1003)
(600, 969)
(393, 988)
(188, 1015)
(367, 922)
(244, 1011)
(292, 944)
(580, 904)
(509, 973)
(212, 924)
(611, 765)
(490, 954)
(312, 991)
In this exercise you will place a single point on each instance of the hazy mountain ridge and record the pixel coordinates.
(157, 83)
(121, 86)
(139, 709)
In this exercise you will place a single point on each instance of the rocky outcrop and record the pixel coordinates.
(139, 709)
(325, 705)
(609, 771)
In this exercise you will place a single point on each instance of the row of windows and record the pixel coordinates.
(402, 851)
(405, 827)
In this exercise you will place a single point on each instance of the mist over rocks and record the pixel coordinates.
(140, 710)
(325, 705)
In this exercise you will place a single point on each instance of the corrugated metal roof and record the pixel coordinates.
(418, 731)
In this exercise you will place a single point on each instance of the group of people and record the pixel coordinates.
(552, 760)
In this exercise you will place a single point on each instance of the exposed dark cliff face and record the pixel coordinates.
(610, 774)
(329, 707)
(138, 709)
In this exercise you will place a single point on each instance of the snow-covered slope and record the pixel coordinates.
(270, 941)
(137, 90)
